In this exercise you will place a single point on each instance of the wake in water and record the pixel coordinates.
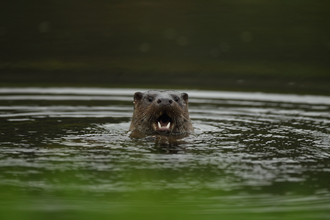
(250, 144)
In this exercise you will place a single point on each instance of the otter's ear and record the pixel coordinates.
(185, 97)
(138, 96)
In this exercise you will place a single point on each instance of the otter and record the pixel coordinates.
(161, 112)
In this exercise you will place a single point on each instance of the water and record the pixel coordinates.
(66, 152)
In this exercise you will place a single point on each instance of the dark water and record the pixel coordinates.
(66, 153)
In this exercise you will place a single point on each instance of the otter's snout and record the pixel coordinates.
(164, 101)
(163, 112)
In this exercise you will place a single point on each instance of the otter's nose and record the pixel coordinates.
(164, 101)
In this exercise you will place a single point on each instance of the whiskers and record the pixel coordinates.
(144, 120)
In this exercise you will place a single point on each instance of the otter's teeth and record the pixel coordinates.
(167, 126)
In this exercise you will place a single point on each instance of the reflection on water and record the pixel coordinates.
(251, 152)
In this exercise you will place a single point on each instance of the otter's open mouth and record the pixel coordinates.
(164, 123)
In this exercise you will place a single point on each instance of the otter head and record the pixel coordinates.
(161, 112)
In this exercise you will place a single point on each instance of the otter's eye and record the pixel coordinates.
(150, 99)
(176, 99)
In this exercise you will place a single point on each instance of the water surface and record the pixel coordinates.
(68, 151)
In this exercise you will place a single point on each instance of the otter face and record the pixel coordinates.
(161, 112)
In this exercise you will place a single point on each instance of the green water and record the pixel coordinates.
(66, 153)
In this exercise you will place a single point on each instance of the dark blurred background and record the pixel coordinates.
(237, 45)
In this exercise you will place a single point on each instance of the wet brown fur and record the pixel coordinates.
(147, 110)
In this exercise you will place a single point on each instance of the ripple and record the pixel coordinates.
(252, 143)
